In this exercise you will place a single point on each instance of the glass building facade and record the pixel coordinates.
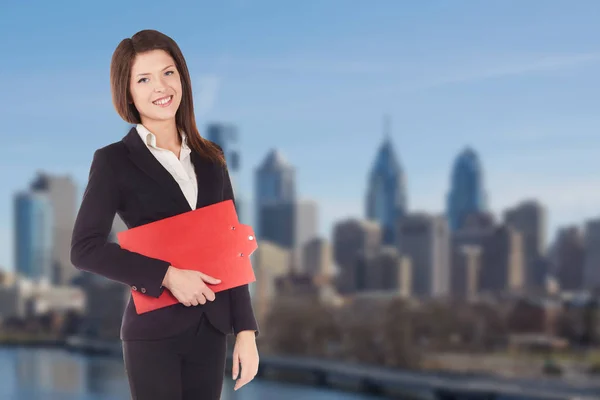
(33, 235)
(466, 189)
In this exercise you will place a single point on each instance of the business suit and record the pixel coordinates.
(126, 179)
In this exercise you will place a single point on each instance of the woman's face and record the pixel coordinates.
(155, 86)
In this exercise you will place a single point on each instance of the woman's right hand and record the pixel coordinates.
(189, 286)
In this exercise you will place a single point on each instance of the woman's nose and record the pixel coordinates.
(159, 86)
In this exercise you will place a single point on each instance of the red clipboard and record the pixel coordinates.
(209, 239)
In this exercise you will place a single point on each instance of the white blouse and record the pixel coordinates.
(182, 168)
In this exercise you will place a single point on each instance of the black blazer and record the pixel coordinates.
(126, 179)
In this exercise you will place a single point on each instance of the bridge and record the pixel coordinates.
(391, 383)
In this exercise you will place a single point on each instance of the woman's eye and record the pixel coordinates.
(168, 73)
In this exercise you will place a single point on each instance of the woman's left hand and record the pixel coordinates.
(246, 354)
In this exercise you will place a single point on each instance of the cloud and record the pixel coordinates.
(385, 80)
(502, 69)
(441, 73)
(307, 64)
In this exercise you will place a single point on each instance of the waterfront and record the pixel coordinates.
(48, 374)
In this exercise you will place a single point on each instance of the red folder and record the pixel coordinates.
(209, 239)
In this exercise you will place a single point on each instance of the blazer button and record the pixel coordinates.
(143, 290)
(134, 288)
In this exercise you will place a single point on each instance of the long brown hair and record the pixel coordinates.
(120, 76)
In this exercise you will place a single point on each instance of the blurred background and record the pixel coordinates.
(421, 177)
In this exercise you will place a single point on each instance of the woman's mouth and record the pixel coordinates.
(163, 101)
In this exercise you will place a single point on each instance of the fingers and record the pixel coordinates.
(195, 293)
(205, 293)
(235, 369)
(209, 294)
(249, 371)
(247, 376)
(200, 299)
(195, 300)
(241, 382)
(209, 279)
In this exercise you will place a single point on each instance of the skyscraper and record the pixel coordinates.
(503, 261)
(466, 192)
(529, 218)
(591, 267)
(226, 136)
(62, 194)
(569, 257)
(33, 235)
(386, 190)
(290, 225)
(352, 238)
(425, 239)
(275, 183)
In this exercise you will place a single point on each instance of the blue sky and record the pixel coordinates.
(518, 81)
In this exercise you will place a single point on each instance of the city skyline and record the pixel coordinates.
(500, 216)
(520, 89)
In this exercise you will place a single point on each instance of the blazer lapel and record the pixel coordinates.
(141, 156)
(200, 169)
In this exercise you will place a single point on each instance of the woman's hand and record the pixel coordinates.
(246, 354)
(189, 286)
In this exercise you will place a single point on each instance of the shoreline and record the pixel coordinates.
(32, 341)
(113, 350)
(311, 377)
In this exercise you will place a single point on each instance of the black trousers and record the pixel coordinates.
(190, 366)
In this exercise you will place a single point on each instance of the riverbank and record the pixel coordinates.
(31, 339)
(379, 381)
(37, 373)
(572, 368)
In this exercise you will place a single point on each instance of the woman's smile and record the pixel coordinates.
(163, 101)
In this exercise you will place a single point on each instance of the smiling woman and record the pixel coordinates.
(165, 93)
(163, 167)
(150, 67)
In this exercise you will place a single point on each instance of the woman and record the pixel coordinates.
(162, 167)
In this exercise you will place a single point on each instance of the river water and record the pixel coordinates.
(56, 374)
